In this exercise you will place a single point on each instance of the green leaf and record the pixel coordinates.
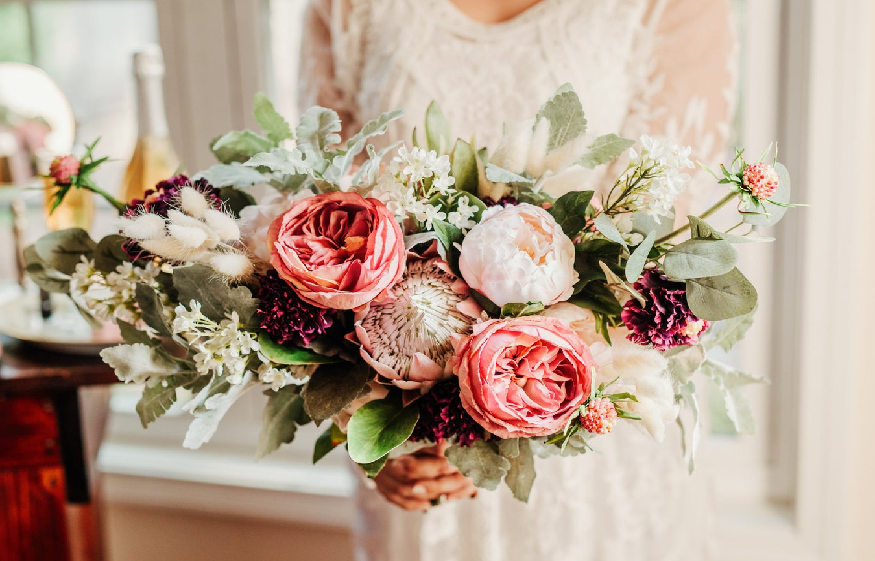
(373, 469)
(447, 234)
(699, 258)
(110, 253)
(721, 298)
(288, 355)
(279, 419)
(636, 262)
(597, 297)
(159, 398)
(488, 305)
(520, 310)
(480, 462)
(501, 175)
(624, 396)
(683, 362)
(623, 414)
(437, 129)
(273, 123)
(239, 146)
(565, 114)
(317, 129)
(608, 229)
(47, 279)
(604, 150)
(332, 387)
(521, 475)
(152, 310)
(464, 167)
(235, 200)
(327, 442)
(378, 427)
(132, 335)
(217, 298)
(64, 249)
(342, 163)
(781, 196)
(232, 175)
(569, 210)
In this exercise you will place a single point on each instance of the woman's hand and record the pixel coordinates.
(413, 482)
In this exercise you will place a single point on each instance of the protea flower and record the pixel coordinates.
(408, 338)
(600, 416)
(761, 180)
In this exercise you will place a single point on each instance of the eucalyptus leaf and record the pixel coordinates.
(279, 419)
(110, 253)
(288, 354)
(723, 297)
(464, 167)
(271, 121)
(378, 427)
(699, 258)
(437, 129)
(501, 175)
(701, 229)
(332, 387)
(480, 462)
(64, 249)
(317, 129)
(569, 210)
(47, 279)
(239, 146)
(636, 262)
(232, 175)
(605, 150)
(565, 114)
(608, 229)
(218, 300)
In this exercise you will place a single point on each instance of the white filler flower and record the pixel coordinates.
(519, 255)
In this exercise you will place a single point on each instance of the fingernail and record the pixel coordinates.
(419, 490)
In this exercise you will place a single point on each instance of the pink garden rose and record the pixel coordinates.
(523, 377)
(338, 250)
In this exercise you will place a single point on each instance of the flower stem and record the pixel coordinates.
(717, 206)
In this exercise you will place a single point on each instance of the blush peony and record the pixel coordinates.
(338, 250)
(523, 377)
(519, 255)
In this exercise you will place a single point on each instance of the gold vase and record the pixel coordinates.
(77, 210)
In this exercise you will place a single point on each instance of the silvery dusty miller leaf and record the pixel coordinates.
(232, 175)
(481, 462)
(207, 417)
(501, 175)
(521, 476)
(239, 146)
(274, 125)
(604, 150)
(565, 114)
(318, 129)
(157, 399)
(729, 333)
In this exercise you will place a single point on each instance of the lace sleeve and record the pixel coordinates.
(688, 65)
(327, 75)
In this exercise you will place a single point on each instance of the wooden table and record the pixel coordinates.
(44, 474)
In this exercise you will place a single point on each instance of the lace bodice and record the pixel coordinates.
(662, 67)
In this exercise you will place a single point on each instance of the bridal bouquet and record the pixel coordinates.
(418, 294)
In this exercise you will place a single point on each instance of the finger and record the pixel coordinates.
(406, 503)
(434, 488)
(424, 467)
(398, 494)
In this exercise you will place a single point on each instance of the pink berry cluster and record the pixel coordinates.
(600, 416)
(63, 169)
(761, 180)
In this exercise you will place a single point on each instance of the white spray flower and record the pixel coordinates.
(111, 296)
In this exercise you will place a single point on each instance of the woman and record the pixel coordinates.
(661, 67)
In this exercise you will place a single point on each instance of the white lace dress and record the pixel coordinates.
(662, 67)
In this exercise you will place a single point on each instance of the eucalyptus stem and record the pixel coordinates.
(717, 206)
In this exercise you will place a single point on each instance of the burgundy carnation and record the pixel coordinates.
(160, 200)
(503, 201)
(665, 321)
(441, 416)
(287, 318)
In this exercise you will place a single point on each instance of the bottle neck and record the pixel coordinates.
(150, 107)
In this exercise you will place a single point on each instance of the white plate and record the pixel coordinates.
(65, 331)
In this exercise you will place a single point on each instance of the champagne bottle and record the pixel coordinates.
(154, 159)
